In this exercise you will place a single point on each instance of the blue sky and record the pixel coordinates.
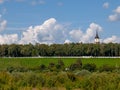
(59, 21)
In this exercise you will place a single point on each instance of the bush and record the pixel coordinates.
(71, 76)
(52, 67)
(10, 69)
(90, 67)
(106, 68)
(76, 66)
(17, 69)
(34, 79)
(42, 67)
(60, 62)
(79, 62)
(51, 81)
(60, 65)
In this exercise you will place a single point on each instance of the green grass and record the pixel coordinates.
(33, 62)
(102, 61)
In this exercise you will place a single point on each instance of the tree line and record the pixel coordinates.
(73, 49)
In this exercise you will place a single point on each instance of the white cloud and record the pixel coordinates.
(76, 35)
(79, 36)
(106, 5)
(113, 39)
(116, 15)
(117, 10)
(90, 32)
(8, 39)
(67, 41)
(52, 32)
(49, 32)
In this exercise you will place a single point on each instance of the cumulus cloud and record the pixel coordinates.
(8, 39)
(113, 39)
(76, 35)
(49, 32)
(79, 36)
(116, 15)
(106, 5)
(53, 32)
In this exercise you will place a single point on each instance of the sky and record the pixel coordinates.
(59, 21)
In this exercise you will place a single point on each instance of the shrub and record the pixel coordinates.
(10, 69)
(51, 81)
(79, 62)
(73, 66)
(17, 69)
(90, 67)
(76, 65)
(52, 67)
(42, 67)
(106, 68)
(60, 62)
(34, 79)
(71, 76)
(60, 65)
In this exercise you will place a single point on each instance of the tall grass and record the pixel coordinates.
(53, 81)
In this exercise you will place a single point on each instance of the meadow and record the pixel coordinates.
(22, 74)
(33, 62)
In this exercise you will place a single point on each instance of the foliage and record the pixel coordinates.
(83, 73)
(90, 67)
(19, 76)
(42, 67)
(71, 76)
(73, 49)
(76, 65)
(51, 80)
(106, 68)
(60, 65)
(17, 69)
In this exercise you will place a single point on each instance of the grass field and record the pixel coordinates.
(33, 62)
(18, 79)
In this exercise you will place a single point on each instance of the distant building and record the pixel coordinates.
(97, 39)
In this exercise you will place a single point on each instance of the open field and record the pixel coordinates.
(33, 62)
(13, 77)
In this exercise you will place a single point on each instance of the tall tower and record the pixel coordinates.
(97, 38)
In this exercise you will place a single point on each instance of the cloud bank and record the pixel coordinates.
(53, 32)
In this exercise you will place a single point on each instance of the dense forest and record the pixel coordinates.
(73, 49)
